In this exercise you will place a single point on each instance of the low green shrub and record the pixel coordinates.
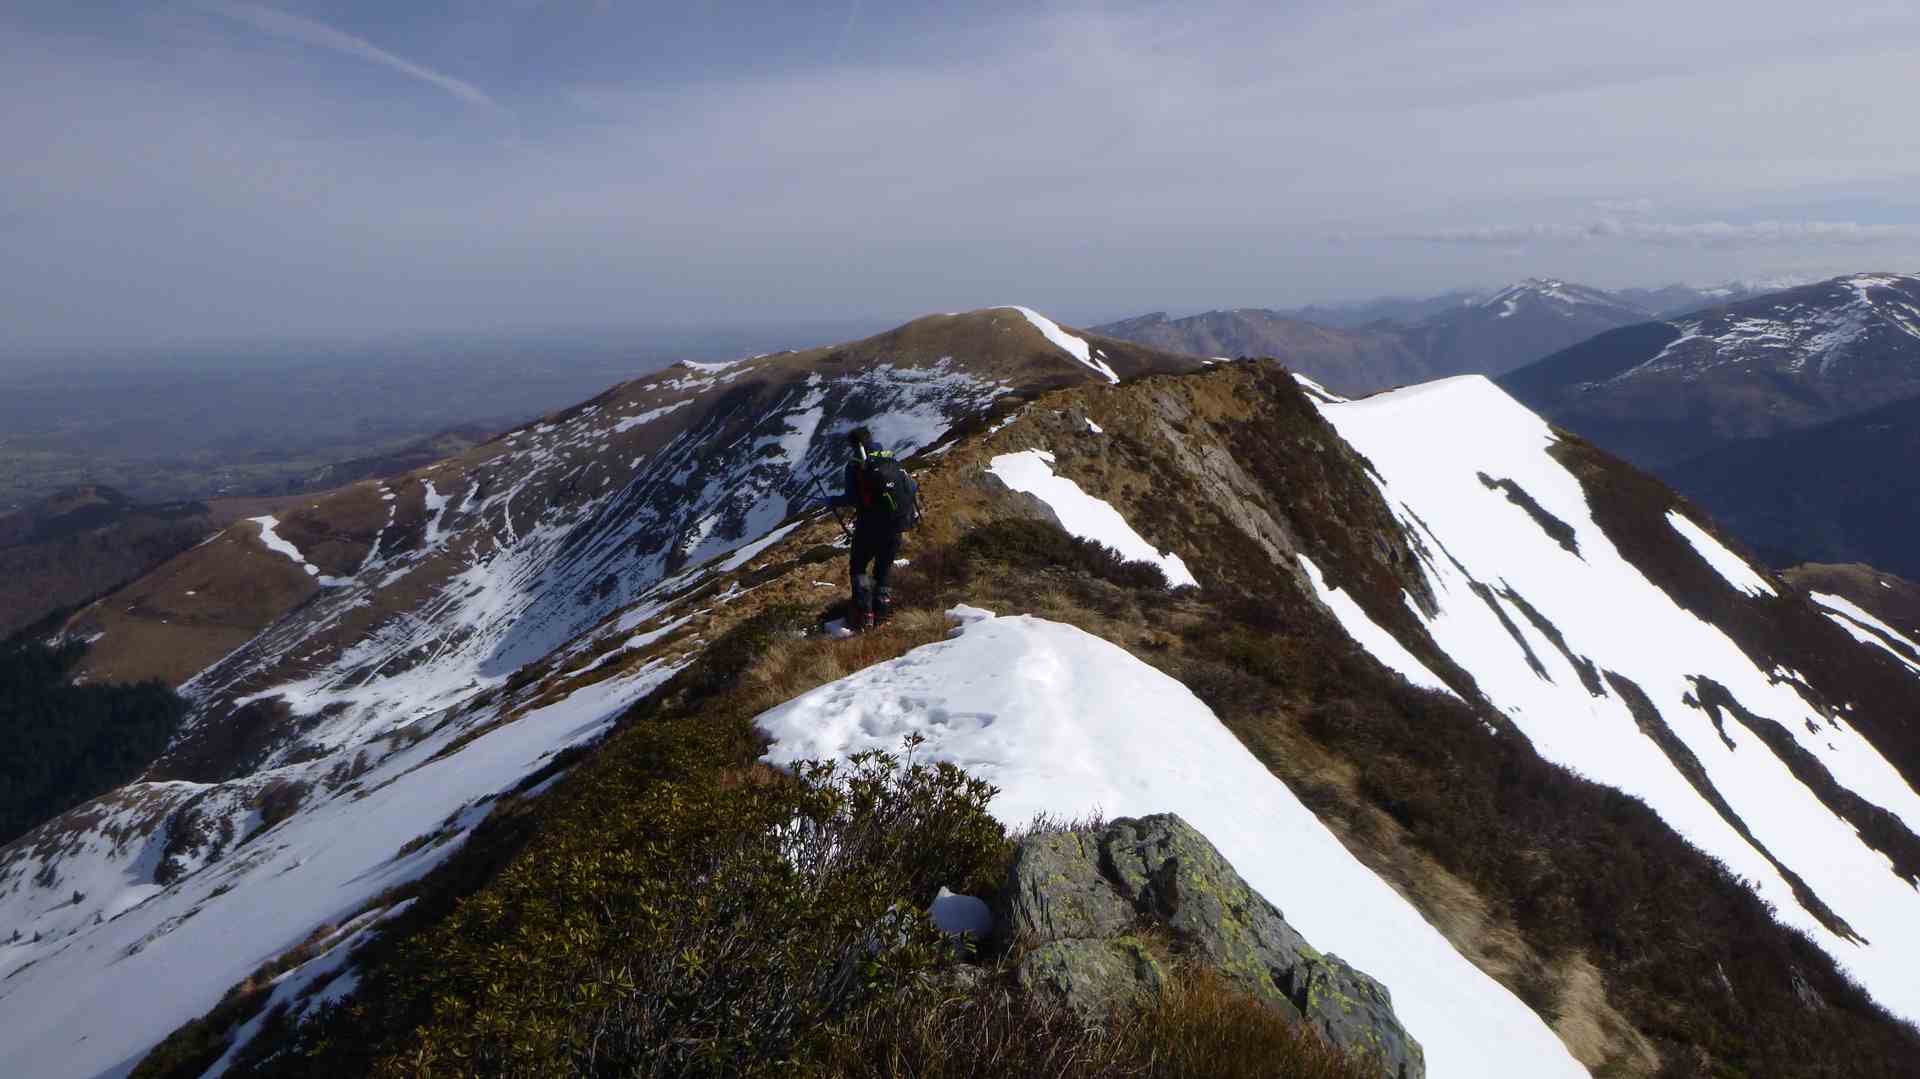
(674, 909)
(703, 927)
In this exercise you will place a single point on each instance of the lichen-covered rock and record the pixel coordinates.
(1056, 891)
(1080, 899)
(1092, 976)
(1167, 869)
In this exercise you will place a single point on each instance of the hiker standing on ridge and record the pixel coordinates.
(886, 503)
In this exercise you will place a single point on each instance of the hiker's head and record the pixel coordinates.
(860, 441)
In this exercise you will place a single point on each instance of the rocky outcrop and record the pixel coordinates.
(1090, 906)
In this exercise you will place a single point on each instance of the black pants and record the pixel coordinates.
(878, 547)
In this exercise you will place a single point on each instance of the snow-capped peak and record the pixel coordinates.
(1546, 290)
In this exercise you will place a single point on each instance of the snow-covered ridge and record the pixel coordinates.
(1071, 345)
(1064, 722)
(534, 572)
(574, 542)
(1617, 631)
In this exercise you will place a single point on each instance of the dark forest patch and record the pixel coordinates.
(65, 743)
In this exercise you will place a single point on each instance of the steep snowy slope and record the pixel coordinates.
(1067, 723)
(1609, 674)
(117, 950)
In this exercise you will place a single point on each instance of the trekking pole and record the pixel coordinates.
(832, 508)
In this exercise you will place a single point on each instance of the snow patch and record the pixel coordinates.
(1315, 388)
(1856, 612)
(1861, 634)
(1031, 471)
(323, 864)
(1864, 627)
(628, 423)
(279, 545)
(1367, 633)
(1724, 562)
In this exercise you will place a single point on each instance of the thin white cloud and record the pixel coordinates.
(306, 31)
(1624, 207)
(1094, 159)
(1693, 234)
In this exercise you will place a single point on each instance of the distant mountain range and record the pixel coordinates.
(1349, 360)
(1376, 344)
(1663, 391)
(1794, 416)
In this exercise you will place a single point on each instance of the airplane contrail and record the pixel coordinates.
(295, 28)
(840, 46)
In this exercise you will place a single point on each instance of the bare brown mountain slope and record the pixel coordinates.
(1890, 598)
(71, 547)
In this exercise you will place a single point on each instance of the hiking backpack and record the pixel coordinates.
(891, 486)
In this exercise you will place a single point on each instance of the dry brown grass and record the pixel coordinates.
(788, 667)
(1204, 1027)
(1200, 1027)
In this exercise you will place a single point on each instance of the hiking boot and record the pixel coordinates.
(866, 622)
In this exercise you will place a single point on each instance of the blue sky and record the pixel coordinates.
(189, 170)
